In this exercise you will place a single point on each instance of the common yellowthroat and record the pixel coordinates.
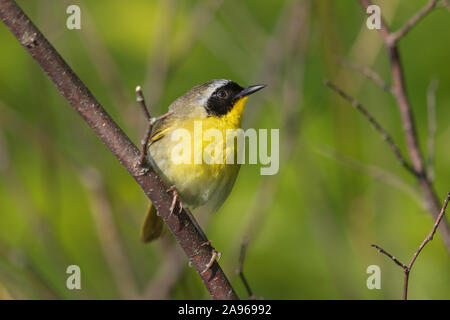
(217, 104)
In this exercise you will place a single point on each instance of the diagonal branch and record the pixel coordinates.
(428, 238)
(81, 99)
(384, 134)
(432, 232)
(394, 37)
(409, 126)
(390, 256)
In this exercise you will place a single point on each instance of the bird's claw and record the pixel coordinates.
(175, 199)
(216, 255)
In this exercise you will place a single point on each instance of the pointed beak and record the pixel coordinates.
(248, 91)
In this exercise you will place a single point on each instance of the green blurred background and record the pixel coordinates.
(64, 198)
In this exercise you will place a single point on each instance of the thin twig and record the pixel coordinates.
(395, 37)
(148, 132)
(381, 250)
(432, 127)
(428, 238)
(141, 100)
(369, 73)
(432, 232)
(240, 270)
(384, 134)
(150, 122)
(81, 99)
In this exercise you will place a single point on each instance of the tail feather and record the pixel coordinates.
(152, 226)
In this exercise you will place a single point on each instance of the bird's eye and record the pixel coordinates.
(222, 94)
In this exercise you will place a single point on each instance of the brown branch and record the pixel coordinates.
(428, 238)
(395, 37)
(81, 99)
(409, 126)
(381, 250)
(432, 232)
(144, 143)
(384, 134)
(150, 122)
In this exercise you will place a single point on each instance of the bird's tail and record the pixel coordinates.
(152, 226)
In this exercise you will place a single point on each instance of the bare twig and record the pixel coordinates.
(149, 127)
(369, 73)
(428, 238)
(381, 250)
(432, 232)
(240, 270)
(407, 117)
(141, 100)
(432, 127)
(150, 122)
(394, 37)
(384, 134)
(81, 99)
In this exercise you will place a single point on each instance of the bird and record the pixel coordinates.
(217, 104)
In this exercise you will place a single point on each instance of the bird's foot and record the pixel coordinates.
(175, 200)
(215, 255)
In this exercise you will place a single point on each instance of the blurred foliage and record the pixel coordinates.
(64, 199)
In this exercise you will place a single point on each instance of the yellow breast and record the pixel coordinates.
(196, 180)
